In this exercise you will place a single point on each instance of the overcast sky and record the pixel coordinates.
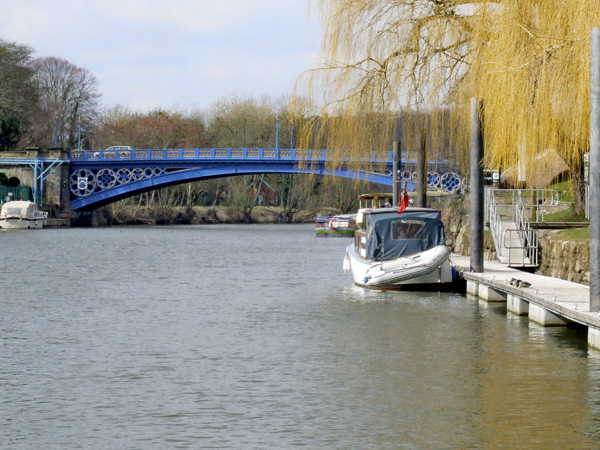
(171, 53)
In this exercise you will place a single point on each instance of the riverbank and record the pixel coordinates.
(113, 215)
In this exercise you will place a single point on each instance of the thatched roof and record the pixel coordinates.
(549, 166)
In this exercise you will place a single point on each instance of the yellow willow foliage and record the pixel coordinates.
(533, 73)
(418, 63)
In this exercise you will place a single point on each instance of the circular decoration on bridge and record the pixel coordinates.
(106, 178)
(137, 174)
(415, 177)
(450, 181)
(433, 179)
(158, 172)
(148, 172)
(123, 176)
(405, 176)
(82, 182)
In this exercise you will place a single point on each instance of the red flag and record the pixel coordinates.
(403, 202)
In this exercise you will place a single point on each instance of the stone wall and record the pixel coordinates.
(567, 260)
(56, 184)
(457, 225)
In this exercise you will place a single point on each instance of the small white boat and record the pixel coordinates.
(392, 251)
(340, 225)
(22, 214)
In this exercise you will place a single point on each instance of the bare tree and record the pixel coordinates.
(243, 122)
(68, 95)
(158, 129)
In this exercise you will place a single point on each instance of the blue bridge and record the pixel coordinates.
(100, 177)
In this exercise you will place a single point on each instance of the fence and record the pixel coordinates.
(20, 192)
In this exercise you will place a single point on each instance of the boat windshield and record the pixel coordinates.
(408, 229)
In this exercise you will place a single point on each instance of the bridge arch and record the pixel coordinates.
(97, 178)
(122, 191)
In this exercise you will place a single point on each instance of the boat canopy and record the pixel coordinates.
(18, 209)
(391, 235)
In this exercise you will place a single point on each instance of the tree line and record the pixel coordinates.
(49, 102)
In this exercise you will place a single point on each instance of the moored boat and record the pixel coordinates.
(321, 225)
(340, 225)
(392, 251)
(21, 214)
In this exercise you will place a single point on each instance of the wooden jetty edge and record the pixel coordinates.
(547, 301)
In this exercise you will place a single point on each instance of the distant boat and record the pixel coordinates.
(21, 214)
(340, 225)
(392, 251)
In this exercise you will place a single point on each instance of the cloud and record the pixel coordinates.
(151, 53)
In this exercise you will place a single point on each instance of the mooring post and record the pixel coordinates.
(594, 174)
(395, 164)
(476, 195)
(422, 172)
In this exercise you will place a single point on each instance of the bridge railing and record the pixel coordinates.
(209, 153)
(231, 153)
(248, 154)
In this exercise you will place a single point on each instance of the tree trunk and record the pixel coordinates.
(578, 192)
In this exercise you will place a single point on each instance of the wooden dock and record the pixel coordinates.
(547, 301)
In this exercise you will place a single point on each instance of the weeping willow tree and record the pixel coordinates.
(415, 65)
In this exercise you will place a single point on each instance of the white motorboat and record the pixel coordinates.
(21, 214)
(392, 251)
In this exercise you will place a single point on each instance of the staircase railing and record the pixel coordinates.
(492, 216)
(528, 238)
(529, 243)
(519, 205)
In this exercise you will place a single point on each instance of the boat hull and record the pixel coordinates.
(13, 224)
(341, 232)
(431, 268)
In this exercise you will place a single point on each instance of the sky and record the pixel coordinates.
(182, 54)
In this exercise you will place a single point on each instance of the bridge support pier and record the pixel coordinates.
(46, 172)
(517, 305)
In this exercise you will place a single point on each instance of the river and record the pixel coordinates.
(252, 337)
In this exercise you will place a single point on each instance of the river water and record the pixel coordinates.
(252, 337)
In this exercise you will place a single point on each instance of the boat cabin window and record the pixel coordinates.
(408, 229)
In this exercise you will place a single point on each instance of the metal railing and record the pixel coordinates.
(492, 216)
(528, 242)
(521, 218)
(535, 201)
(519, 206)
